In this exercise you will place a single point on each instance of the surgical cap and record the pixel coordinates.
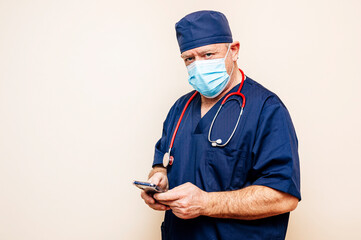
(202, 28)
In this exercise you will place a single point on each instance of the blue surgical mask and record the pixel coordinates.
(209, 77)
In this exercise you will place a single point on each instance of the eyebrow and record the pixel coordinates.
(208, 50)
(186, 55)
(201, 52)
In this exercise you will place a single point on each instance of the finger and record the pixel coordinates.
(151, 202)
(163, 183)
(171, 204)
(155, 179)
(181, 214)
(177, 213)
(158, 207)
(160, 179)
(171, 195)
(147, 198)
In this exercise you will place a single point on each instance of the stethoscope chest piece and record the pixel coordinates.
(167, 160)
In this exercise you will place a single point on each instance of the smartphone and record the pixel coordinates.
(148, 187)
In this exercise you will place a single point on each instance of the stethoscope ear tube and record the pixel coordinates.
(218, 142)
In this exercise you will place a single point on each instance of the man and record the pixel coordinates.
(244, 189)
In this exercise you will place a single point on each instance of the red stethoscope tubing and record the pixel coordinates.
(238, 93)
(180, 119)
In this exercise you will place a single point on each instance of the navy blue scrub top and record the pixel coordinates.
(263, 151)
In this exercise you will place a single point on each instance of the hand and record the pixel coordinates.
(186, 201)
(160, 179)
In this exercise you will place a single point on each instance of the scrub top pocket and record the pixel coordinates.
(224, 169)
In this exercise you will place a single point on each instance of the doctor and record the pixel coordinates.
(245, 189)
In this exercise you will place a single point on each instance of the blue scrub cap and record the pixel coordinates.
(202, 28)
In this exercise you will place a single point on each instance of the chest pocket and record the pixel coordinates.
(224, 169)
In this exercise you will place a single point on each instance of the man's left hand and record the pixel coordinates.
(186, 201)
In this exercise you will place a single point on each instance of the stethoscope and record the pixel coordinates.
(168, 159)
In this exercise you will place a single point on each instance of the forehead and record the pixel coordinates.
(203, 49)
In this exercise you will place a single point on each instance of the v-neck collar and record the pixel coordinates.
(201, 124)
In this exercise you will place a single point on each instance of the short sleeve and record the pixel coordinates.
(161, 146)
(276, 161)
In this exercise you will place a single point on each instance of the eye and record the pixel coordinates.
(208, 55)
(189, 59)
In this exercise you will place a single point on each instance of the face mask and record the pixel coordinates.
(209, 77)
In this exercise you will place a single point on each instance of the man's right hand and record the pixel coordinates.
(157, 176)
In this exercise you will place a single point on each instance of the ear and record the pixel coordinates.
(234, 50)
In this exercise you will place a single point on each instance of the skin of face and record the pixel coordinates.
(214, 51)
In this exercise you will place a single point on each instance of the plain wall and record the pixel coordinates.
(85, 87)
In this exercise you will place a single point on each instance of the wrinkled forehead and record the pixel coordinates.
(218, 47)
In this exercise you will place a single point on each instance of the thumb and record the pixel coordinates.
(155, 179)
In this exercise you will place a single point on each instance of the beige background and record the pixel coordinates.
(85, 87)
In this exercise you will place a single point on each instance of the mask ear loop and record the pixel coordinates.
(232, 70)
(229, 47)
